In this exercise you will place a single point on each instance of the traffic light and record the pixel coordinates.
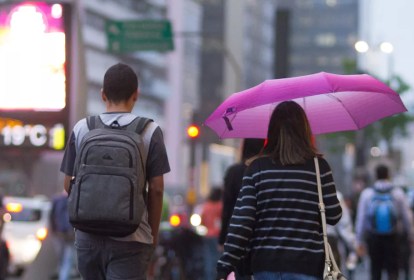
(193, 131)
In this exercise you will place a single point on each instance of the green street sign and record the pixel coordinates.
(139, 35)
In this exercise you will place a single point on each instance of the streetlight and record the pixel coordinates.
(369, 56)
(366, 60)
(386, 48)
(361, 46)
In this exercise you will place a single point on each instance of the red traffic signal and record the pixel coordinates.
(193, 131)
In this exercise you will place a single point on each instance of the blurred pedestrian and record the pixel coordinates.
(405, 247)
(211, 219)
(383, 215)
(4, 250)
(342, 238)
(63, 235)
(276, 215)
(359, 184)
(102, 257)
(232, 185)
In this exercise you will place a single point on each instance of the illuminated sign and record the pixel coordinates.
(34, 78)
(14, 133)
(32, 55)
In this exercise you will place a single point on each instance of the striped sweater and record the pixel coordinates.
(277, 217)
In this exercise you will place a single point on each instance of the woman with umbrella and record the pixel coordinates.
(276, 216)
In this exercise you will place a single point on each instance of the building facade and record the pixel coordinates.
(315, 36)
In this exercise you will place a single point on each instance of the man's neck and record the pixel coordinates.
(119, 108)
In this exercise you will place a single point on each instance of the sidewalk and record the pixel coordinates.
(362, 272)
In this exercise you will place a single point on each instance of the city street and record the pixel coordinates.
(43, 267)
(320, 83)
(362, 273)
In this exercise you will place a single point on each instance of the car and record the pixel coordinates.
(25, 229)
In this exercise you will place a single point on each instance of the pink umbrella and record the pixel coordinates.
(332, 103)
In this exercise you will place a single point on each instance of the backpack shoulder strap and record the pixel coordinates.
(139, 124)
(90, 121)
(94, 122)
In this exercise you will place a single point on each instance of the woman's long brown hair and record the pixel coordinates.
(289, 135)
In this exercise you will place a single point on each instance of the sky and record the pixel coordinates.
(392, 21)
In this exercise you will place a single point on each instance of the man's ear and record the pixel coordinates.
(135, 95)
(103, 96)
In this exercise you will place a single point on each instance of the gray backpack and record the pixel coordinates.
(107, 194)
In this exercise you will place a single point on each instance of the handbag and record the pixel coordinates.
(331, 271)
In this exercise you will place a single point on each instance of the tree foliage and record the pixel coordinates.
(385, 129)
(397, 124)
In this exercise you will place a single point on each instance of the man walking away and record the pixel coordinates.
(383, 215)
(105, 257)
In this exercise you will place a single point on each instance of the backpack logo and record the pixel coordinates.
(383, 214)
(107, 195)
(107, 157)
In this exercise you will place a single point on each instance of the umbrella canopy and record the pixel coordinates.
(332, 103)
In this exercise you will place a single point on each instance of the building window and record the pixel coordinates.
(326, 40)
(94, 20)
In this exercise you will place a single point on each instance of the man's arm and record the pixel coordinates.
(154, 205)
(66, 183)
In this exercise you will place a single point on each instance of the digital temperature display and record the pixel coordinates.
(14, 133)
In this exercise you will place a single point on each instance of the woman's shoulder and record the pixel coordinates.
(323, 163)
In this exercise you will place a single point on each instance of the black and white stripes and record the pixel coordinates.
(277, 217)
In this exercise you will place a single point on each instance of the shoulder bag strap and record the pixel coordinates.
(322, 210)
(329, 259)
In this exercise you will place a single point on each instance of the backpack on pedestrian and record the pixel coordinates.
(107, 193)
(382, 213)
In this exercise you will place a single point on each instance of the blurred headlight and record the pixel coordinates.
(7, 217)
(195, 220)
(41, 233)
(201, 230)
(14, 207)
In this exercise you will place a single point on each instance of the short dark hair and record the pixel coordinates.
(119, 83)
(382, 172)
(289, 135)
